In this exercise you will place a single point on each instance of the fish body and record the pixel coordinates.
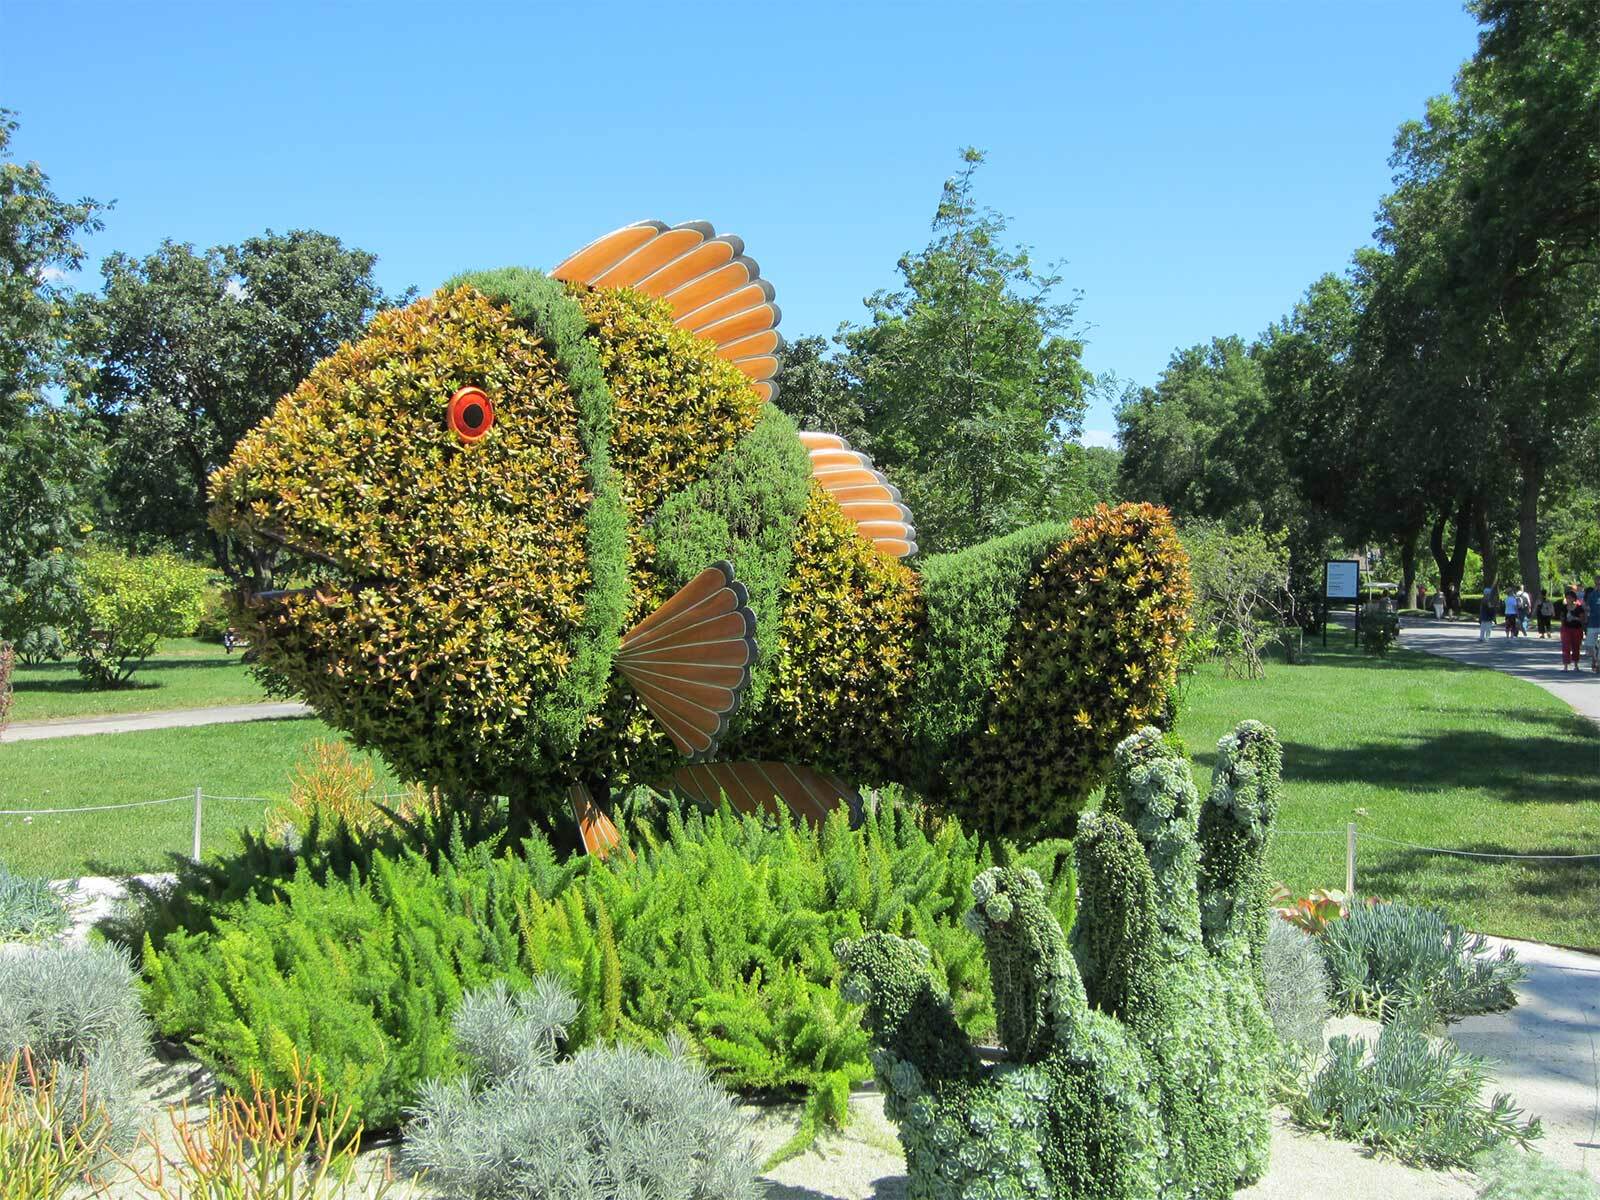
(562, 542)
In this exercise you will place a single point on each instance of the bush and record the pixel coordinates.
(335, 789)
(216, 616)
(608, 1122)
(1392, 957)
(1137, 1055)
(720, 931)
(75, 1012)
(1241, 590)
(1297, 987)
(1380, 629)
(30, 908)
(129, 604)
(1512, 1174)
(1416, 1100)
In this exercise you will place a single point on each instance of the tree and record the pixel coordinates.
(191, 350)
(968, 377)
(129, 604)
(47, 459)
(813, 389)
(1241, 589)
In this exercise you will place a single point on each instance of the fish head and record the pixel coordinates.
(429, 484)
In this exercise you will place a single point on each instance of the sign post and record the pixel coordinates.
(1341, 581)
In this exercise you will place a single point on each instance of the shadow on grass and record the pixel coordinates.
(1557, 888)
(1546, 757)
(77, 686)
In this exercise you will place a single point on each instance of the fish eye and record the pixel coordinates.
(471, 413)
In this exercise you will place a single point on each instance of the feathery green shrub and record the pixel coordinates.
(29, 908)
(75, 1011)
(1138, 1053)
(1410, 1097)
(1394, 957)
(719, 930)
(611, 1122)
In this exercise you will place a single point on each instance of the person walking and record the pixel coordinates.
(1572, 627)
(1546, 611)
(1486, 614)
(1438, 605)
(1592, 608)
(1511, 614)
(1524, 609)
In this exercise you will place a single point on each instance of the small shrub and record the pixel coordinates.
(129, 604)
(50, 1136)
(1297, 987)
(1512, 1174)
(1380, 629)
(30, 909)
(269, 1145)
(216, 616)
(75, 1011)
(1416, 1100)
(335, 788)
(608, 1122)
(1391, 957)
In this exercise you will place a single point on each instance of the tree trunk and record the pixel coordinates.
(1528, 528)
(1486, 546)
(1458, 554)
(1408, 569)
(1440, 562)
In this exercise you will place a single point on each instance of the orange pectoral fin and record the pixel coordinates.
(600, 836)
(689, 661)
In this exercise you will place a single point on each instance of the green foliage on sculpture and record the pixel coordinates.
(1092, 654)
(744, 510)
(1137, 1064)
(470, 588)
(1246, 788)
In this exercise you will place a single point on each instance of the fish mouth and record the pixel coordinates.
(354, 578)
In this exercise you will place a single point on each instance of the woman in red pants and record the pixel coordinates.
(1572, 631)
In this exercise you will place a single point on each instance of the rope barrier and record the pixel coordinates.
(51, 812)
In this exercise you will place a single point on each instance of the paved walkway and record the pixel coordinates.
(1546, 1050)
(1535, 659)
(222, 714)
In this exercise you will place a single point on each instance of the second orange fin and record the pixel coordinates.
(690, 660)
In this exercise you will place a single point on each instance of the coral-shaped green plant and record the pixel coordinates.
(1138, 1053)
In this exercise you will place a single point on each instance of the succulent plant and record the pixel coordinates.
(1137, 1052)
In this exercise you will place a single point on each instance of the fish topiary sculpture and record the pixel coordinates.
(1137, 1054)
(560, 541)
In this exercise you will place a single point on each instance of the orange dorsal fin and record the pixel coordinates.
(600, 836)
(866, 497)
(690, 660)
(714, 289)
(753, 787)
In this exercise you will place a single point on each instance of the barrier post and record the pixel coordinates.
(1349, 856)
(197, 801)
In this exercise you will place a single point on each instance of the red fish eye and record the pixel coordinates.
(471, 413)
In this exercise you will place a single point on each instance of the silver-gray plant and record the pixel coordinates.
(77, 1013)
(30, 908)
(1297, 986)
(609, 1123)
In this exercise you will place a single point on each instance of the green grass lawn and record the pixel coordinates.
(253, 759)
(1420, 749)
(1413, 748)
(183, 673)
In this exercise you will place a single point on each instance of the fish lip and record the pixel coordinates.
(357, 580)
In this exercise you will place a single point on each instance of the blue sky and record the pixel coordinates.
(1193, 165)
